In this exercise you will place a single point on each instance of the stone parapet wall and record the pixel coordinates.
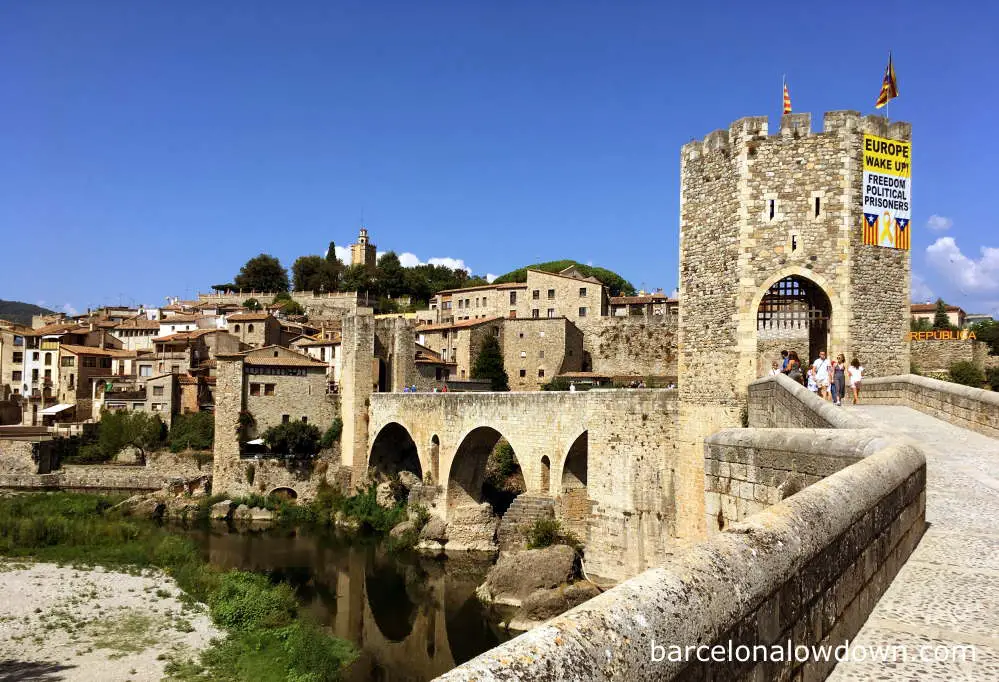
(15, 457)
(808, 570)
(747, 470)
(779, 402)
(971, 408)
(161, 468)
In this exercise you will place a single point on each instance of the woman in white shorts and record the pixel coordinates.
(856, 373)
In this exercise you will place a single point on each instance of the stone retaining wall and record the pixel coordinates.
(161, 468)
(747, 470)
(971, 408)
(808, 570)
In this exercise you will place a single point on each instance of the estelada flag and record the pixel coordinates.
(787, 100)
(889, 86)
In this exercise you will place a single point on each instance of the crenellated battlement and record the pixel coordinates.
(796, 127)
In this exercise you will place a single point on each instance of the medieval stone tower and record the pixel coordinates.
(772, 256)
(363, 252)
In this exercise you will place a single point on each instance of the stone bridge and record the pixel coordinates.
(613, 451)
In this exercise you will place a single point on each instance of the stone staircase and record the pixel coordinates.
(523, 512)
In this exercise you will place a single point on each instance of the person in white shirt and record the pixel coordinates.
(774, 370)
(572, 386)
(813, 384)
(856, 373)
(821, 367)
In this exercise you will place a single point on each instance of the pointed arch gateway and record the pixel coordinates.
(794, 314)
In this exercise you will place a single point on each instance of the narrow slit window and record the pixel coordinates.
(794, 242)
(818, 206)
(772, 208)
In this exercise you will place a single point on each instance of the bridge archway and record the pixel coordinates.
(283, 493)
(573, 499)
(468, 469)
(794, 314)
(394, 450)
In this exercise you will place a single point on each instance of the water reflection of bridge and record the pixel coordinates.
(413, 618)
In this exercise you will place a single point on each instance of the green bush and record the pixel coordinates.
(293, 439)
(546, 531)
(246, 601)
(992, 377)
(504, 460)
(195, 431)
(332, 434)
(251, 304)
(966, 373)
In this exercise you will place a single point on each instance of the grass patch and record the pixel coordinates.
(268, 641)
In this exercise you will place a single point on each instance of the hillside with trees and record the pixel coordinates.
(21, 313)
(390, 281)
(617, 284)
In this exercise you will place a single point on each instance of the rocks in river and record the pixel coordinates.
(472, 528)
(435, 529)
(384, 495)
(148, 508)
(254, 514)
(518, 574)
(222, 510)
(409, 479)
(544, 604)
(402, 528)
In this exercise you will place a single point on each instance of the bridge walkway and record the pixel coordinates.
(947, 593)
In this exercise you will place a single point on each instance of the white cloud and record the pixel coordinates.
(970, 275)
(69, 310)
(921, 292)
(453, 263)
(675, 293)
(343, 253)
(490, 277)
(409, 260)
(939, 223)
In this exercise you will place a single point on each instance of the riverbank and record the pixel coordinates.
(95, 625)
(266, 638)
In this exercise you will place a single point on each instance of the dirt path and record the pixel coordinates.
(61, 623)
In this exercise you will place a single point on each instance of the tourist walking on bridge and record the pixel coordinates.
(821, 367)
(856, 376)
(839, 379)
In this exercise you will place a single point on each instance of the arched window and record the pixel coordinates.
(237, 328)
(249, 329)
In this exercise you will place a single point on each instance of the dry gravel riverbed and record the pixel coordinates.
(90, 624)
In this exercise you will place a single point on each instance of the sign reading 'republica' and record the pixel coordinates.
(887, 192)
(942, 335)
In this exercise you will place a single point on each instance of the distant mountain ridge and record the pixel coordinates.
(20, 312)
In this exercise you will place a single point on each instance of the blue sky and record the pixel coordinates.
(149, 148)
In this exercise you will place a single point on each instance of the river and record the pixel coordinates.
(412, 618)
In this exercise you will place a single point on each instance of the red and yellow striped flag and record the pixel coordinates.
(787, 100)
(889, 86)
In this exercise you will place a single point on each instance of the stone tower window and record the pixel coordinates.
(513, 298)
(771, 209)
(794, 240)
(249, 328)
(818, 206)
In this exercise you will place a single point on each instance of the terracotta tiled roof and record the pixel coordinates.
(319, 342)
(463, 324)
(592, 280)
(58, 328)
(90, 350)
(248, 317)
(140, 323)
(932, 308)
(286, 361)
(180, 319)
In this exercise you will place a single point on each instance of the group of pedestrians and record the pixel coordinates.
(829, 378)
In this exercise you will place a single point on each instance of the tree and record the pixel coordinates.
(920, 324)
(306, 273)
(489, 365)
(391, 275)
(967, 373)
(617, 285)
(987, 331)
(357, 278)
(119, 429)
(292, 308)
(252, 304)
(262, 273)
(293, 439)
(229, 286)
(195, 431)
(940, 319)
